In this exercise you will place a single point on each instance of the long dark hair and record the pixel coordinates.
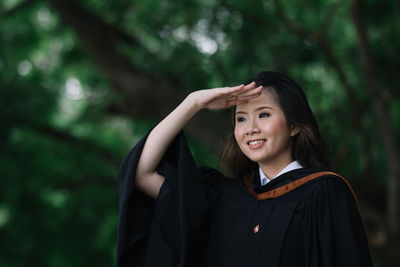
(308, 146)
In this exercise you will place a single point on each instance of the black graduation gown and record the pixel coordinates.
(201, 218)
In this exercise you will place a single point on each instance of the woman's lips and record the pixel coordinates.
(256, 143)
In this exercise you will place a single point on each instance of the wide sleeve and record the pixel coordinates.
(170, 230)
(334, 233)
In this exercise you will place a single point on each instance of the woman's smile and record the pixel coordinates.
(254, 144)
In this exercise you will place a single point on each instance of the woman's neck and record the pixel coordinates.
(271, 169)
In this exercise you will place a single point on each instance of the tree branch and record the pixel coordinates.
(330, 15)
(333, 61)
(67, 138)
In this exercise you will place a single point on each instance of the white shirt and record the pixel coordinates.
(290, 167)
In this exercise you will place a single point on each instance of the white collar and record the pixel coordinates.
(290, 167)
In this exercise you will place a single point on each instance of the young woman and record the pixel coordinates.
(283, 209)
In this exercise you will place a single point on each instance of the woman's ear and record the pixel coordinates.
(293, 130)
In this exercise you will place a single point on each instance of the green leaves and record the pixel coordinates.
(66, 116)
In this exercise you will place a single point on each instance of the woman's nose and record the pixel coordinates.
(252, 128)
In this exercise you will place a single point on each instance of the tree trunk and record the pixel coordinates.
(384, 124)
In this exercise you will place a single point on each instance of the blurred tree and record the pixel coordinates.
(81, 82)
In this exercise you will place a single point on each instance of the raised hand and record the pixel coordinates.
(224, 97)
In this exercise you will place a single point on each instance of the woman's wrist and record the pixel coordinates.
(192, 103)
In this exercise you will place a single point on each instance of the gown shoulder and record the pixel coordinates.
(333, 229)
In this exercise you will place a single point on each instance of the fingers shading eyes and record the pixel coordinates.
(251, 93)
(233, 90)
(244, 95)
(250, 85)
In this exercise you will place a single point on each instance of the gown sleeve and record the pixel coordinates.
(169, 230)
(334, 232)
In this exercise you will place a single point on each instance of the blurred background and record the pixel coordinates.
(82, 81)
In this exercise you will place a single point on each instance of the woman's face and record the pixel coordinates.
(262, 133)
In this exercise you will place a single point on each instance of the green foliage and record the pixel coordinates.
(60, 145)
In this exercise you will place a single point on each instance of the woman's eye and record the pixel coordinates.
(263, 115)
(240, 119)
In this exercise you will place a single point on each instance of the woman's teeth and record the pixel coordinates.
(252, 143)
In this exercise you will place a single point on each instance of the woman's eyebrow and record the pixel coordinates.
(264, 107)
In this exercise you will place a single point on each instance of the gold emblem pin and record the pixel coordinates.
(256, 228)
